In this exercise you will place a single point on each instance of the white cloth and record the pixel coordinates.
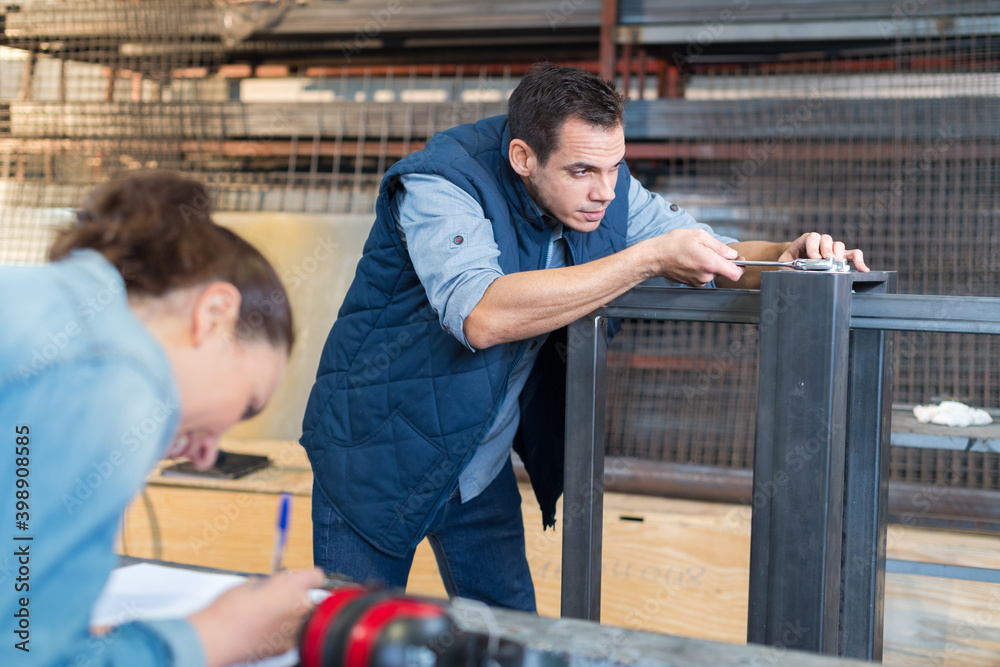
(951, 413)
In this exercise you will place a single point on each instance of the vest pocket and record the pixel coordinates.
(384, 483)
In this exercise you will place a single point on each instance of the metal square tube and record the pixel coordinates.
(583, 481)
(818, 533)
(798, 491)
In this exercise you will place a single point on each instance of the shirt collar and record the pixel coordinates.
(554, 224)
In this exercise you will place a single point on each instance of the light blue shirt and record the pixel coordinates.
(92, 397)
(430, 213)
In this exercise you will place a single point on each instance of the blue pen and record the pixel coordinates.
(281, 534)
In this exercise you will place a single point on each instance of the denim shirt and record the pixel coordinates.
(88, 404)
(431, 214)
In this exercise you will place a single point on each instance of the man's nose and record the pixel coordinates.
(604, 188)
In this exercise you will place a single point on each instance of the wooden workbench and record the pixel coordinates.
(672, 566)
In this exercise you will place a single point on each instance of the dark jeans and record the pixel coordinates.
(479, 546)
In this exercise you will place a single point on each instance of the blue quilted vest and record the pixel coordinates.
(399, 405)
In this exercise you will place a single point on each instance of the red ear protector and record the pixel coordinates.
(317, 627)
(361, 627)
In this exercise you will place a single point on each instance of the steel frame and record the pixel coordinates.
(818, 527)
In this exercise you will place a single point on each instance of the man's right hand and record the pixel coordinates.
(693, 257)
(528, 303)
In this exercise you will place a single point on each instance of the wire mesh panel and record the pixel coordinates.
(683, 392)
(82, 100)
(881, 130)
(891, 146)
(90, 89)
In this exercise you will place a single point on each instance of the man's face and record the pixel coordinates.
(577, 182)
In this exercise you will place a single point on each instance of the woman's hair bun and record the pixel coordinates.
(156, 228)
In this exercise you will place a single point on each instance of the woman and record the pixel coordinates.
(151, 332)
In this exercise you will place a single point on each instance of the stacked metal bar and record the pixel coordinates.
(876, 121)
(891, 146)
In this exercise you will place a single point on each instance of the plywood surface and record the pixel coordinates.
(671, 566)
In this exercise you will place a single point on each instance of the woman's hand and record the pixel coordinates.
(259, 618)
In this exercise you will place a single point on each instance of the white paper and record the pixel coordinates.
(146, 591)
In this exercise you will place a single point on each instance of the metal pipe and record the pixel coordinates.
(909, 504)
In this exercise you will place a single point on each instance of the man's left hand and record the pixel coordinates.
(819, 246)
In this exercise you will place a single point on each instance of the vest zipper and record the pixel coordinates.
(503, 396)
(569, 247)
(520, 355)
(510, 371)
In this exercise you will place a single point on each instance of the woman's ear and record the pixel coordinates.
(522, 158)
(216, 310)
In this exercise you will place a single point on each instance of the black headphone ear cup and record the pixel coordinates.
(338, 632)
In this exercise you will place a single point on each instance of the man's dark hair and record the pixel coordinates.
(549, 94)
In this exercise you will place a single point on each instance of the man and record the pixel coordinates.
(492, 237)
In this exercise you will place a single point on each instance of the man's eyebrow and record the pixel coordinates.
(577, 166)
